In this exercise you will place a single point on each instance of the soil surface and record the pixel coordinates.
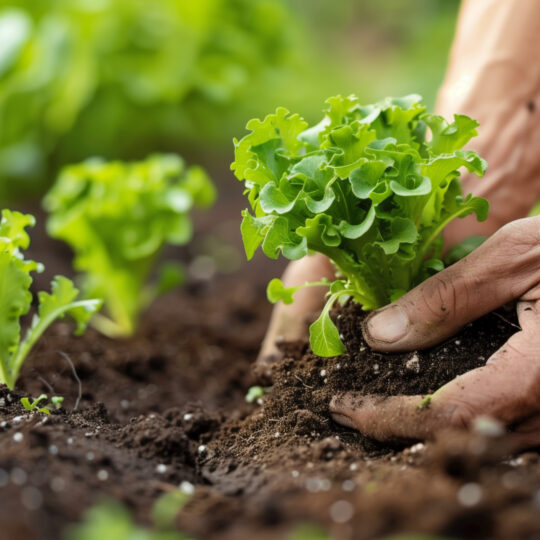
(167, 406)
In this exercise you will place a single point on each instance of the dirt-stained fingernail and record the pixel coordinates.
(389, 325)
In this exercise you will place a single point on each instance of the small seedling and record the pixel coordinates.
(33, 406)
(117, 217)
(370, 187)
(16, 298)
(55, 403)
(256, 393)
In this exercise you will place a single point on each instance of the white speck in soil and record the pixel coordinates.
(341, 511)
(481, 358)
(17, 419)
(187, 487)
(353, 466)
(9, 398)
(276, 434)
(348, 485)
(70, 440)
(295, 474)
(58, 484)
(3, 424)
(338, 366)
(516, 462)
(31, 498)
(418, 447)
(53, 450)
(18, 437)
(124, 404)
(88, 434)
(201, 449)
(457, 342)
(102, 475)
(325, 380)
(2, 402)
(18, 476)
(323, 373)
(161, 468)
(393, 458)
(413, 363)
(375, 368)
(488, 426)
(4, 478)
(188, 417)
(90, 456)
(469, 494)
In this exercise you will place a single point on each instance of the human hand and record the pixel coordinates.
(290, 322)
(505, 267)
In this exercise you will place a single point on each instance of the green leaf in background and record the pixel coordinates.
(117, 217)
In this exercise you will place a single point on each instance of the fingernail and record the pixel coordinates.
(342, 420)
(390, 325)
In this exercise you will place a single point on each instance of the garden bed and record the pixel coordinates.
(167, 407)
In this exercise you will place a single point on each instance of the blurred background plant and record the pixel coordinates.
(124, 78)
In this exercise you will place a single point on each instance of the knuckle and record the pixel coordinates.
(520, 234)
(439, 297)
(460, 414)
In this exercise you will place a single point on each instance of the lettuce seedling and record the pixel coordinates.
(16, 298)
(117, 217)
(56, 403)
(366, 186)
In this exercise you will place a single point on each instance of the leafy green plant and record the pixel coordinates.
(56, 403)
(117, 217)
(111, 520)
(371, 187)
(16, 298)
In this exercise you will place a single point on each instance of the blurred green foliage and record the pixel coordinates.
(123, 78)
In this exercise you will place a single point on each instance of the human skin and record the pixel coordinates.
(494, 77)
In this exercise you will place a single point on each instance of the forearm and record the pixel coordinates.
(494, 77)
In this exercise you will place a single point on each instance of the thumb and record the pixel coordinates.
(500, 270)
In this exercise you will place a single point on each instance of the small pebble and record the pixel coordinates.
(124, 403)
(488, 426)
(88, 434)
(102, 475)
(2, 402)
(338, 366)
(90, 456)
(201, 449)
(341, 511)
(31, 498)
(348, 485)
(53, 450)
(18, 476)
(276, 434)
(18, 437)
(323, 372)
(161, 468)
(418, 447)
(17, 419)
(187, 487)
(353, 466)
(58, 484)
(295, 474)
(375, 368)
(413, 363)
(3, 424)
(457, 342)
(188, 417)
(469, 494)
(70, 440)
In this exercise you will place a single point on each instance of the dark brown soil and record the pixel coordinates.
(168, 406)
